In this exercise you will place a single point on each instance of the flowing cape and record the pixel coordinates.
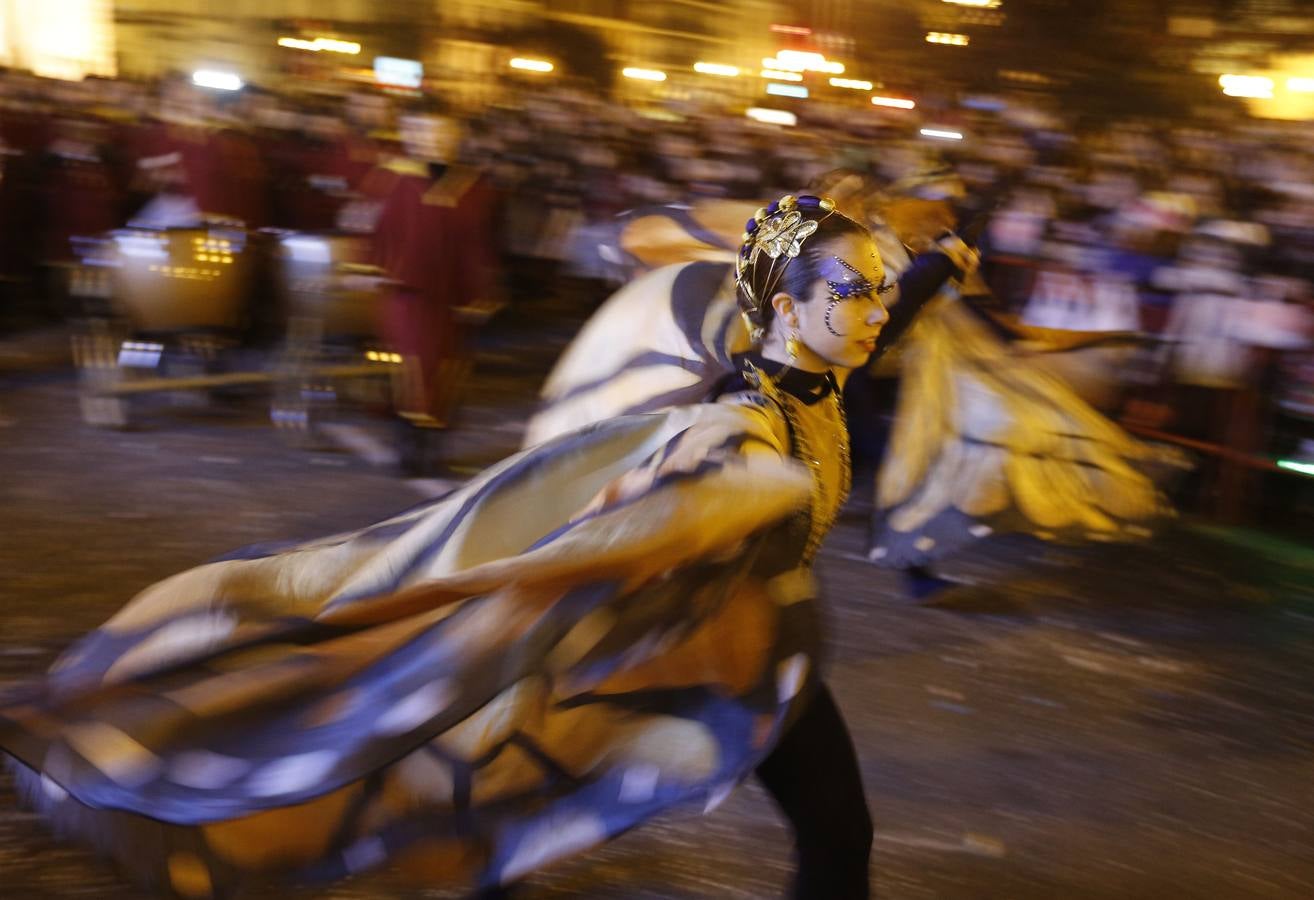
(985, 440)
(585, 635)
(664, 339)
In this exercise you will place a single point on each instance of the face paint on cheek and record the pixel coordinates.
(855, 287)
(830, 308)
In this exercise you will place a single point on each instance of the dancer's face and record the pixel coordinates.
(839, 321)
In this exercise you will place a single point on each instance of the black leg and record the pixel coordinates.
(923, 584)
(813, 776)
(497, 893)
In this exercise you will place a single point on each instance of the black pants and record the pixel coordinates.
(814, 778)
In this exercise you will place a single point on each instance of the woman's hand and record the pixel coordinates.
(965, 259)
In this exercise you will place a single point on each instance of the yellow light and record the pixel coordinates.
(217, 81)
(350, 48)
(1253, 86)
(854, 84)
(979, 4)
(942, 134)
(802, 61)
(372, 355)
(806, 58)
(772, 116)
(893, 102)
(1028, 77)
(643, 74)
(781, 76)
(531, 65)
(64, 39)
(1300, 85)
(942, 37)
(721, 69)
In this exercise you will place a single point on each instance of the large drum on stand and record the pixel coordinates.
(331, 352)
(161, 306)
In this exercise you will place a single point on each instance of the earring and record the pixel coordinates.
(792, 346)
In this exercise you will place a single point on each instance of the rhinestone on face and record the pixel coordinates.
(827, 204)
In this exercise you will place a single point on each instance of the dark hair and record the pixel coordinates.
(758, 283)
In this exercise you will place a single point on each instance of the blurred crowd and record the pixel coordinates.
(1199, 238)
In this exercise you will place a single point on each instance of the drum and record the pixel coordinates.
(181, 280)
(318, 281)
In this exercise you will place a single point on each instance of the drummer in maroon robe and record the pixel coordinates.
(433, 241)
(225, 173)
(81, 197)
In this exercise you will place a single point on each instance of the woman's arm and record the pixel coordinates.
(951, 258)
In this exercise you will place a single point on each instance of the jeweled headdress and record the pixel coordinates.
(777, 232)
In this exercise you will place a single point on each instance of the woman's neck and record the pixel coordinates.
(806, 361)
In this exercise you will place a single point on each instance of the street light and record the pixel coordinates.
(1255, 87)
(942, 37)
(643, 74)
(531, 65)
(724, 71)
(350, 48)
(802, 61)
(216, 81)
(772, 116)
(777, 75)
(853, 84)
(893, 102)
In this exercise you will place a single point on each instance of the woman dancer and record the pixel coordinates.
(593, 631)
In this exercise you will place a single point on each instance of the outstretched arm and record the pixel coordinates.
(950, 258)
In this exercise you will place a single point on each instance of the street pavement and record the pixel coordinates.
(1095, 723)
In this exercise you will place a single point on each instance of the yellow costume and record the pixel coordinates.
(592, 631)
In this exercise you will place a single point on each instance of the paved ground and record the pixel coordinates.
(1134, 723)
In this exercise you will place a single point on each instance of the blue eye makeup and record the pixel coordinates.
(859, 286)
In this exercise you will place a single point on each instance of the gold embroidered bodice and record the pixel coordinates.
(819, 438)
